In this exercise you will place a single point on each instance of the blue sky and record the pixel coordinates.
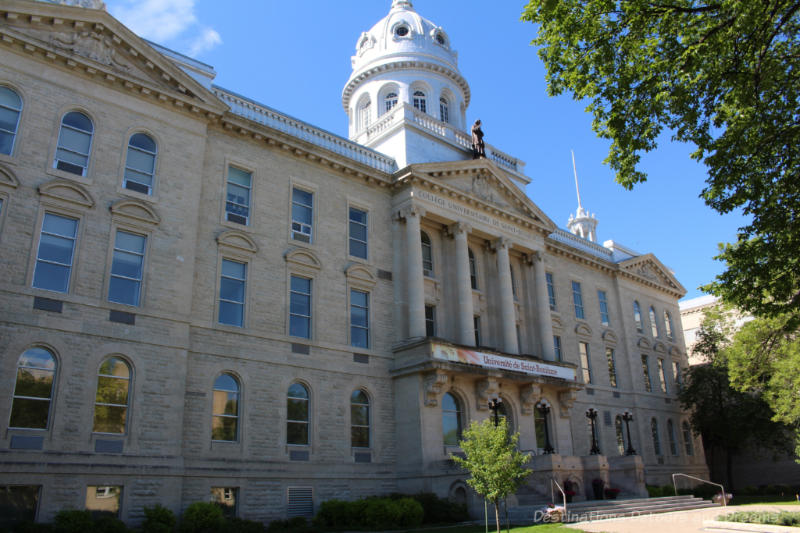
(294, 56)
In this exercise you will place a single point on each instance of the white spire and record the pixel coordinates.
(575, 172)
(581, 224)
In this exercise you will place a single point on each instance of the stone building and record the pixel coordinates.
(207, 299)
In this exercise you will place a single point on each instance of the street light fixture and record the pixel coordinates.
(628, 418)
(591, 414)
(544, 409)
(495, 404)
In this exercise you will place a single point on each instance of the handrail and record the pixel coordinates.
(563, 494)
(675, 486)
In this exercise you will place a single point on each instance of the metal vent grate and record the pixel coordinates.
(300, 502)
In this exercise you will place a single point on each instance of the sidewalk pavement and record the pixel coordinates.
(677, 522)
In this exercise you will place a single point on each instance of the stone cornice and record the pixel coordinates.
(353, 83)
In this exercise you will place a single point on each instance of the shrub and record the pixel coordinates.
(73, 521)
(783, 518)
(158, 519)
(438, 510)
(30, 527)
(107, 523)
(370, 513)
(202, 517)
(239, 525)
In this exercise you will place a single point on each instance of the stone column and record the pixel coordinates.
(466, 326)
(399, 283)
(508, 319)
(415, 281)
(543, 308)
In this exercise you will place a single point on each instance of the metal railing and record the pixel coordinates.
(724, 496)
(563, 494)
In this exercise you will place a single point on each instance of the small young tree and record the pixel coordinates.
(495, 465)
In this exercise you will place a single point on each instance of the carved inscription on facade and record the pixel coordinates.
(473, 214)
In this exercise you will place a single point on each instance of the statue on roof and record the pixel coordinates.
(478, 148)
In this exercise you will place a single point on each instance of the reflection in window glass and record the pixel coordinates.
(603, 301)
(648, 385)
(427, 254)
(612, 369)
(302, 215)
(673, 443)
(225, 498)
(551, 291)
(74, 143)
(10, 108)
(297, 415)
(620, 435)
(103, 499)
(56, 253)
(359, 319)
(18, 504)
(358, 233)
(451, 420)
(656, 439)
(300, 307)
(225, 419)
(637, 316)
(33, 390)
(237, 200)
(687, 438)
(140, 164)
(125, 283)
(111, 400)
(586, 369)
(231, 293)
(577, 299)
(359, 419)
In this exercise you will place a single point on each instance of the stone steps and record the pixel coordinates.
(605, 509)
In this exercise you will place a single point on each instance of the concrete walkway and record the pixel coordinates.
(677, 522)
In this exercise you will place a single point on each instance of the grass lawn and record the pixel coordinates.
(544, 528)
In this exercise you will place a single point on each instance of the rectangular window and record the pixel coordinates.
(476, 323)
(237, 204)
(430, 321)
(603, 300)
(18, 503)
(612, 368)
(125, 284)
(359, 319)
(56, 252)
(577, 299)
(662, 376)
(302, 215)
(231, 293)
(358, 233)
(648, 386)
(102, 499)
(225, 498)
(586, 368)
(557, 347)
(300, 307)
(551, 291)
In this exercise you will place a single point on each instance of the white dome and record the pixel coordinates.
(403, 40)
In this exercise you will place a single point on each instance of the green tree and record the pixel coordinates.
(728, 419)
(495, 465)
(721, 74)
(764, 359)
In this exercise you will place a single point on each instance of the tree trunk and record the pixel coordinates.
(729, 468)
(497, 514)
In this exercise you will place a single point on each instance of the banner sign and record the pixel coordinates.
(488, 360)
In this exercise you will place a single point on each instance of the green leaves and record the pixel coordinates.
(723, 75)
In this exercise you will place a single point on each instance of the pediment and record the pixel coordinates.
(303, 258)
(67, 191)
(649, 269)
(674, 351)
(96, 43)
(237, 240)
(360, 273)
(136, 210)
(659, 347)
(583, 330)
(8, 178)
(479, 182)
(609, 337)
(643, 343)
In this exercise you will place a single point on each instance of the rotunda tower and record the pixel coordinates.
(405, 96)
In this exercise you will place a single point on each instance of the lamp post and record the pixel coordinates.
(628, 418)
(494, 405)
(591, 414)
(544, 409)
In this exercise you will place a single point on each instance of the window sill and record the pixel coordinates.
(150, 198)
(84, 180)
(248, 228)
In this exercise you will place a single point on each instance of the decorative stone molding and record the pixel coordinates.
(303, 258)
(433, 384)
(500, 242)
(659, 347)
(583, 330)
(484, 389)
(458, 227)
(358, 273)
(66, 191)
(643, 343)
(566, 399)
(674, 351)
(529, 395)
(411, 210)
(610, 337)
(135, 210)
(7, 177)
(557, 323)
(238, 241)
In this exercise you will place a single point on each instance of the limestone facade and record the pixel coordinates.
(309, 287)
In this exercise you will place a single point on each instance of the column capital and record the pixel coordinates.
(458, 227)
(501, 242)
(409, 211)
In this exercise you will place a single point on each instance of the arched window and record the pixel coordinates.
(33, 391)
(444, 110)
(656, 439)
(225, 422)
(473, 272)
(359, 419)
(620, 435)
(420, 101)
(451, 419)
(389, 101)
(504, 413)
(297, 415)
(653, 323)
(364, 114)
(10, 110)
(668, 326)
(111, 400)
(673, 443)
(74, 143)
(542, 426)
(427, 254)
(637, 316)
(687, 438)
(140, 163)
